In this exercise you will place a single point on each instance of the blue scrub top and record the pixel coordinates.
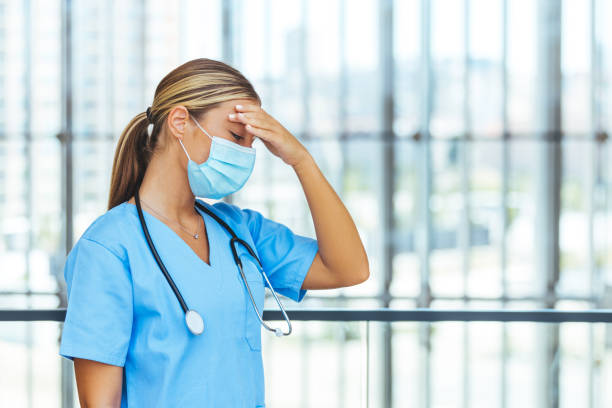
(121, 310)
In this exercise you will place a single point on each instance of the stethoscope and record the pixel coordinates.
(194, 321)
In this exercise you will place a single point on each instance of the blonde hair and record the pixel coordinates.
(198, 85)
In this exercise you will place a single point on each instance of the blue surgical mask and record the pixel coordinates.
(227, 168)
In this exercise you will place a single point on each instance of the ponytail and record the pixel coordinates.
(132, 156)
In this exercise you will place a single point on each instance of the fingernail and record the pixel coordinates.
(239, 106)
(232, 116)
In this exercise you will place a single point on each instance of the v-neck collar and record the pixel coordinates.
(211, 247)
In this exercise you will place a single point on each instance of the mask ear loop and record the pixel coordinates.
(181, 142)
(201, 128)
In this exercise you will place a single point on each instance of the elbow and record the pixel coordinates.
(351, 275)
(365, 271)
(100, 403)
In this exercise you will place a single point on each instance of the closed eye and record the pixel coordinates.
(236, 136)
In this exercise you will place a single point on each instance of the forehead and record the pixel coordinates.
(228, 106)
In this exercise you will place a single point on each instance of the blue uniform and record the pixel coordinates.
(121, 310)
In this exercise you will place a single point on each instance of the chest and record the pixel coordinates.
(206, 276)
(199, 246)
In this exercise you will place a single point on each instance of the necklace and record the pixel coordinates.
(195, 235)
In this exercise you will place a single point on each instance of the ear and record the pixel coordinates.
(177, 120)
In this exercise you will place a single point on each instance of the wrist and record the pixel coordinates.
(305, 161)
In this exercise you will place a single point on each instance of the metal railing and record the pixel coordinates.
(381, 315)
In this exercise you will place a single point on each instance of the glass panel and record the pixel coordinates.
(363, 80)
(485, 218)
(521, 271)
(31, 234)
(574, 224)
(485, 94)
(407, 26)
(448, 67)
(447, 205)
(293, 365)
(324, 59)
(576, 64)
(603, 217)
(603, 81)
(30, 364)
(406, 272)
(522, 64)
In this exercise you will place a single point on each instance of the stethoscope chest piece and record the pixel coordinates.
(194, 321)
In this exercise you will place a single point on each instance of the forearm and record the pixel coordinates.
(340, 246)
(98, 384)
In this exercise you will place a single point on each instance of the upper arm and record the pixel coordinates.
(320, 277)
(98, 321)
(286, 256)
(98, 384)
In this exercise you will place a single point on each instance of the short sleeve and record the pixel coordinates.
(98, 322)
(285, 256)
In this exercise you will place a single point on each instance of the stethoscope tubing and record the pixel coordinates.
(157, 257)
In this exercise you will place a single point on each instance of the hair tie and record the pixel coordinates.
(149, 116)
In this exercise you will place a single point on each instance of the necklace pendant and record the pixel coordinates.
(196, 235)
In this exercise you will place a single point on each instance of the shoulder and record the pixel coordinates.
(234, 215)
(109, 229)
(229, 212)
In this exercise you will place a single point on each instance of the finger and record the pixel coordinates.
(233, 117)
(253, 119)
(238, 118)
(263, 134)
(258, 112)
(246, 108)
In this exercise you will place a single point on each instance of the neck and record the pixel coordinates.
(165, 186)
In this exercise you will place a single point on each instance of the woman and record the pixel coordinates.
(125, 329)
